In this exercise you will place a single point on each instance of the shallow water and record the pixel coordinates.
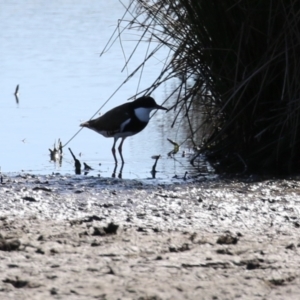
(51, 49)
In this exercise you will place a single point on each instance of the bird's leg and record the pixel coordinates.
(120, 172)
(113, 175)
(120, 149)
(113, 150)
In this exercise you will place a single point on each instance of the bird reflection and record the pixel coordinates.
(153, 169)
(113, 175)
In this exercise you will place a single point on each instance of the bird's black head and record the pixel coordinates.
(147, 102)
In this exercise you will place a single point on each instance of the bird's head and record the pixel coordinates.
(143, 106)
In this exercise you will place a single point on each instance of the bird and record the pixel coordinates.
(17, 91)
(124, 120)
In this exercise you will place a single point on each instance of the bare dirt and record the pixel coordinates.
(94, 238)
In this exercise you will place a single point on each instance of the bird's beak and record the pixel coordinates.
(160, 107)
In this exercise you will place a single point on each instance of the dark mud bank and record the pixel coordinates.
(210, 204)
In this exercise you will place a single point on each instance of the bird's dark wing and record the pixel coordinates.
(112, 120)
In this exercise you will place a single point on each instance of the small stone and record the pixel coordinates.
(227, 239)
(30, 199)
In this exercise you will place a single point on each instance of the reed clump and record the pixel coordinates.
(239, 65)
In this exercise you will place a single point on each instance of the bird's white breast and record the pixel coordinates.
(143, 114)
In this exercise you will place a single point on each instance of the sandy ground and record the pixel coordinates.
(92, 238)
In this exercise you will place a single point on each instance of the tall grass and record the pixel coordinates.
(244, 59)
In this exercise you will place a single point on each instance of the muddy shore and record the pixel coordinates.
(66, 237)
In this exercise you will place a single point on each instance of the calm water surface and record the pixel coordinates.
(51, 49)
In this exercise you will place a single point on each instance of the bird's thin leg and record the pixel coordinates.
(120, 149)
(113, 150)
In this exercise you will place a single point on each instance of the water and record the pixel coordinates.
(51, 49)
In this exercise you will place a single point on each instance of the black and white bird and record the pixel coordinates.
(124, 120)
(16, 93)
